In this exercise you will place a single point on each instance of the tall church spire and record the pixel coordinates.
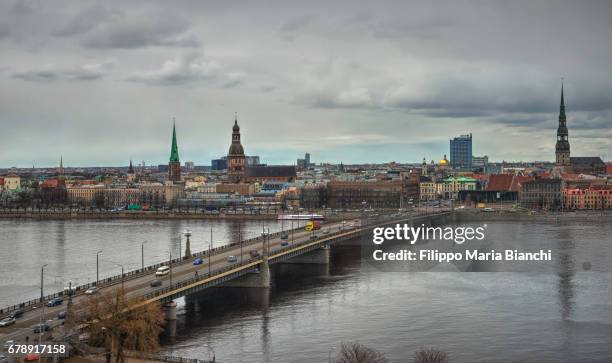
(174, 155)
(174, 166)
(562, 148)
(61, 168)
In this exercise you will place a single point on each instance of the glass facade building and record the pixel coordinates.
(461, 152)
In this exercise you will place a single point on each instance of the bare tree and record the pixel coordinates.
(356, 352)
(120, 324)
(430, 356)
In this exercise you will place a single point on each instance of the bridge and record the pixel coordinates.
(185, 278)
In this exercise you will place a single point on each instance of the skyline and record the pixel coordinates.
(99, 83)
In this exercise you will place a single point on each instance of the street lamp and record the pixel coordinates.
(42, 311)
(98, 266)
(240, 240)
(142, 255)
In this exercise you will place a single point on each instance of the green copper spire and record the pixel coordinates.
(174, 156)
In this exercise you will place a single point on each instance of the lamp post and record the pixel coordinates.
(180, 245)
(240, 240)
(210, 251)
(42, 300)
(170, 266)
(98, 266)
(142, 255)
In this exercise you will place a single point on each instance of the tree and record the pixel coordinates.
(120, 324)
(356, 352)
(430, 356)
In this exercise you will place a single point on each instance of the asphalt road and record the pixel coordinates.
(139, 286)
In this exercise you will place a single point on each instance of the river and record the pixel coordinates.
(562, 314)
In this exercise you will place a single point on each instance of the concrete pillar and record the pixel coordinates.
(170, 311)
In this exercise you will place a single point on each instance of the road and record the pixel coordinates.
(139, 286)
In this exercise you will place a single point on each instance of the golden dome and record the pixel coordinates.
(443, 161)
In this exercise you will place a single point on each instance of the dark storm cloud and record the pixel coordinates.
(369, 75)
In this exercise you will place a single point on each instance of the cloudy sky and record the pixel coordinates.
(100, 81)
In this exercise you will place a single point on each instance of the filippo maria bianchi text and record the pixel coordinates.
(467, 255)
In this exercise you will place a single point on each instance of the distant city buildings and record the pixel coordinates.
(219, 164)
(304, 163)
(461, 152)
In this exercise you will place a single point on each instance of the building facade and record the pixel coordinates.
(461, 152)
(589, 198)
(542, 194)
(364, 194)
(449, 188)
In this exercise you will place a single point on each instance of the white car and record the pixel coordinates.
(162, 271)
(92, 290)
(7, 321)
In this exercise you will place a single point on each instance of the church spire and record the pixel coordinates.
(562, 106)
(174, 156)
(61, 167)
(562, 148)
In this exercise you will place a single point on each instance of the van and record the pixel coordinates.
(162, 271)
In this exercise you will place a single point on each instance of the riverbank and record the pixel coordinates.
(153, 215)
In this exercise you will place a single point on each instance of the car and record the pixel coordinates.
(232, 259)
(488, 210)
(61, 315)
(198, 261)
(92, 290)
(7, 321)
(155, 283)
(254, 253)
(31, 357)
(162, 271)
(284, 244)
(285, 236)
(16, 314)
(38, 328)
(313, 237)
(55, 302)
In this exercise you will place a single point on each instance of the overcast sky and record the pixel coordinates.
(100, 81)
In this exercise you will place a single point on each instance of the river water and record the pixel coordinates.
(563, 314)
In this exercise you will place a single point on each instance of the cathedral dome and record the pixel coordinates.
(236, 149)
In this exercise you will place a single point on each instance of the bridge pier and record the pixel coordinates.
(170, 311)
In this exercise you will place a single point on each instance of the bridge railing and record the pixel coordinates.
(30, 304)
(112, 280)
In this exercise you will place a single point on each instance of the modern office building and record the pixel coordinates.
(461, 152)
(219, 164)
